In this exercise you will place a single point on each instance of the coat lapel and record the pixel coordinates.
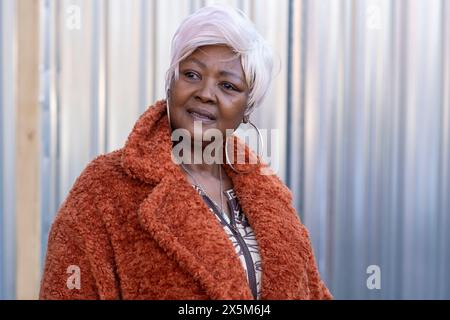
(179, 220)
(181, 223)
(284, 249)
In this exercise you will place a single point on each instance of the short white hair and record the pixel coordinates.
(224, 25)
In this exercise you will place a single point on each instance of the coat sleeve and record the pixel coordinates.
(317, 288)
(67, 272)
(80, 261)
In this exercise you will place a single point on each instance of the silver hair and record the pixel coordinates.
(223, 25)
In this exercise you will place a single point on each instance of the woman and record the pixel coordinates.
(146, 222)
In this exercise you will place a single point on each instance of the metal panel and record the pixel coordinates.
(7, 152)
(375, 147)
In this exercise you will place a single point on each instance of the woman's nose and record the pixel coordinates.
(206, 92)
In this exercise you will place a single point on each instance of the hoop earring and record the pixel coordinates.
(261, 141)
(167, 107)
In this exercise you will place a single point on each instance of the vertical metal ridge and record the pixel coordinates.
(289, 95)
(143, 57)
(3, 240)
(102, 80)
(154, 48)
(106, 74)
(94, 146)
(45, 123)
(57, 93)
(403, 34)
(394, 57)
(302, 106)
(444, 158)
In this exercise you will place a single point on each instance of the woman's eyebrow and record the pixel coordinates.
(197, 62)
(222, 72)
(231, 74)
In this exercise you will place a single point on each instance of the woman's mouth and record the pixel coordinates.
(203, 117)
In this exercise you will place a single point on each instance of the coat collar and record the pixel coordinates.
(178, 219)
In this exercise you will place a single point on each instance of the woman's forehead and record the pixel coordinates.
(215, 57)
(220, 53)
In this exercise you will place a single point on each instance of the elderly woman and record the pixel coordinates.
(146, 222)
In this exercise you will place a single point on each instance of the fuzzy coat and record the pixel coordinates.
(137, 229)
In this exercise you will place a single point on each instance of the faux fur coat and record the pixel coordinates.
(132, 227)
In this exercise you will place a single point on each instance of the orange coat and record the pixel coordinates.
(137, 229)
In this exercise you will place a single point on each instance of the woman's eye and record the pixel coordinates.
(229, 86)
(191, 75)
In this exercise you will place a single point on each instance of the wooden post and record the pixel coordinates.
(28, 237)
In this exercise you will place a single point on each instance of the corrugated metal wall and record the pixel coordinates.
(362, 106)
(370, 161)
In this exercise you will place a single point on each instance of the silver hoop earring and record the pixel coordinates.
(167, 107)
(261, 142)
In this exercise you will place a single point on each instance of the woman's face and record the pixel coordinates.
(211, 89)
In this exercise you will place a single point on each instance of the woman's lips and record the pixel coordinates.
(199, 117)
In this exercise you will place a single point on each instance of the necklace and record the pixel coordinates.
(203, 189)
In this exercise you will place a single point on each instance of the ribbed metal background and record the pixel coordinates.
(370, 152)
(361, 105)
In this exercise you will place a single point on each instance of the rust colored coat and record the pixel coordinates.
(137, 229)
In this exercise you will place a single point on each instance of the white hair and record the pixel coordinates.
(223, 25)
